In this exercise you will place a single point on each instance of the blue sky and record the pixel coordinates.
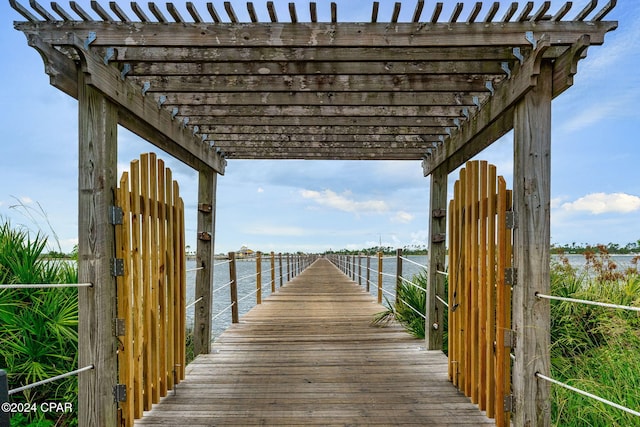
(318, 205)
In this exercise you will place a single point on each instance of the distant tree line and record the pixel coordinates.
(582, 248)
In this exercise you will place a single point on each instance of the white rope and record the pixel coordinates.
(222, 263)
(222, 287)
(444, 273)
(223, 311)
(59, 377)
(248, 295)
(247, 277)
(587, 394)
(188, 306)
(416, 311)
(599, 304)
(413, 262)
(46, 285)
(442, 301)
(194, 269)
(412, 284)
(387, 292)
(389, 275)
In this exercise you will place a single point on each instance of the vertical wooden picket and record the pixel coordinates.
(479, 299)
(152, 290)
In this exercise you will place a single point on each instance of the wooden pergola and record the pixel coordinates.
(206, 85)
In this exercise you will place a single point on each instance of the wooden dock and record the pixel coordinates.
(309, 356)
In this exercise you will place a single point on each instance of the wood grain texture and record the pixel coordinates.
(309, 356)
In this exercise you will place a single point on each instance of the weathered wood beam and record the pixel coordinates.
(532, 200)
(205, 121)
(321, 130)
(287, 83)
(486, 125)
(207, 180)
(321, 34)
(389, 98)
(437, 253)
(448, 67)
(324, 153)
(97, 181)
(251, 140)
(566, 66)
(137, 113)
(310, 54)
(319, 111)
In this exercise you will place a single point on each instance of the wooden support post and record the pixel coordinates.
(368, 273)
(359, 270)
(97, 183)
(259, 278)
(379, 277)
(532, 196)
(233, 287)
(398, 273)
(273, 272)
(204, 258)
(280, 265)
(437, 253)
(288, 267)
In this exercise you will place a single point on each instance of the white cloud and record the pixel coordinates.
(402, 217)
(260, 190)
(343, 202)
(599, 203)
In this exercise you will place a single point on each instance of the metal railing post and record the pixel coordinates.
(233, 287)
(5, 416)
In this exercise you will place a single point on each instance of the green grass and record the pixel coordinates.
(38, 327)
(593, 348)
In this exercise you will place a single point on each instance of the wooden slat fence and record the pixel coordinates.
(480, 248)
(151, 290)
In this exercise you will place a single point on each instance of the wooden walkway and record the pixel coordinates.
(308, 356)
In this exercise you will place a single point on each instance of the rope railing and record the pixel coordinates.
(411, 283)
(413, 262)
(224, 310)
(587, 394)
(50, 380)
(188, 270)
(191, 304)
(413, 309)
(582, 301)
(44, 285)
(222, 263)
(221, 287)
(443, 302)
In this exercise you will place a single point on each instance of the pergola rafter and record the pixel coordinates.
(208, 70)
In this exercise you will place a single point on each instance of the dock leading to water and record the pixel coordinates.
(309, 356)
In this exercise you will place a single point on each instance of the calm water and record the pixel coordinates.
(246, 273)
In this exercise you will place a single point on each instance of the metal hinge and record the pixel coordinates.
(511, 276)
(120, 393)
(439, 213)
(510, 338)
(509, 403)
(512, 220)
(204, 236)
(119, 327)
(117, 268)
(116, 215)
(438, 237)
(205, 207)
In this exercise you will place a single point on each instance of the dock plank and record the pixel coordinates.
(308, 356)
